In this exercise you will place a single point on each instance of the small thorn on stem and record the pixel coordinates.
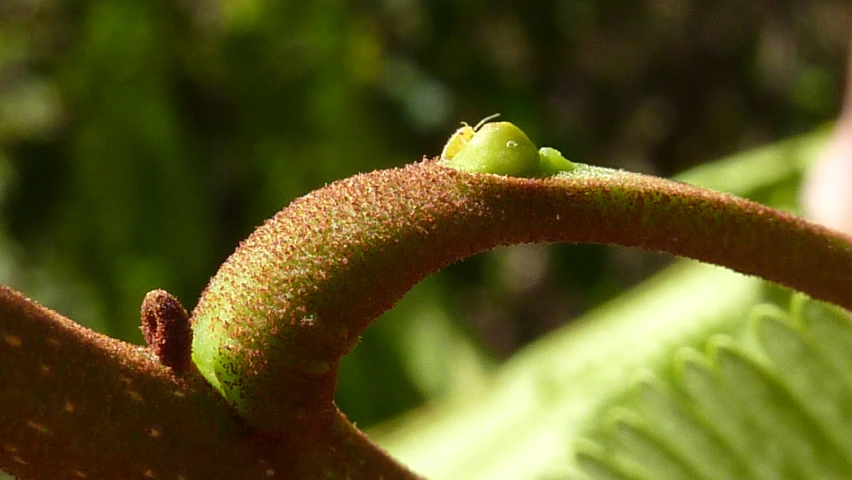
(165, 326)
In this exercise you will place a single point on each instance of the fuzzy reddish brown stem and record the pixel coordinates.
(76, 404)
(79, 405)
(342, 255)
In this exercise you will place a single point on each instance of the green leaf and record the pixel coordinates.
(770, 404)
(593, 458)
(685, 433)
(810, 376)
(517, 429)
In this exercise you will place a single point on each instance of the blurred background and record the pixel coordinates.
(141, 141)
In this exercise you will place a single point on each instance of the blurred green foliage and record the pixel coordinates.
(140, 141)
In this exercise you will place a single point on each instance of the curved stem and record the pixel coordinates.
(80, 405)
(300, 290)
(297, 294)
